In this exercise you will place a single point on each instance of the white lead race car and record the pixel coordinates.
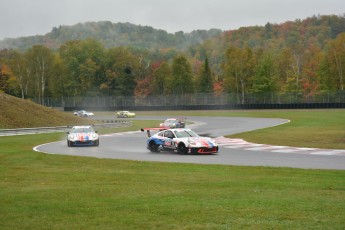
(182, 140)
(82, 136)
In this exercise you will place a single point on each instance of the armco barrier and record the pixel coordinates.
(39, 130)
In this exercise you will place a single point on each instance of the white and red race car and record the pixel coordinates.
(182, 140)
(82, 136)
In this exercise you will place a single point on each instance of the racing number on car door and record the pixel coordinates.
(168, 142)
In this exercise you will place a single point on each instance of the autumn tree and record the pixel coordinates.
(238, 70)
(4, 78)
(22, 71)
(333, 66)
(40, 60)
(290, 64)
(15, 65)
(310, 82)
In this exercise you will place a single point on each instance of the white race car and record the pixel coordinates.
(82, 136)
(182, 140)
(173, 123)
(83, 113)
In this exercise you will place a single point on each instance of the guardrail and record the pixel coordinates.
(39, 130)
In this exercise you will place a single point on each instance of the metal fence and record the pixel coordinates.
(39, 130)
(205, 99)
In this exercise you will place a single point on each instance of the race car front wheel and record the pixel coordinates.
(153, 146)
(182, 149)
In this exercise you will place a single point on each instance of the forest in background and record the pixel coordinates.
(106, 59)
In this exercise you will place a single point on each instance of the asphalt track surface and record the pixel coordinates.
(132, 146)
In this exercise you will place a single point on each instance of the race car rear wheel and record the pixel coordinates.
(153, 146)
(182, 149)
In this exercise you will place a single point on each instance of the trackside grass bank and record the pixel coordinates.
(41, 191)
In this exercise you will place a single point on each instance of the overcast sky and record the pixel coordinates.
(38, 17)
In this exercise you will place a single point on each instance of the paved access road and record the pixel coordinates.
(132, 146)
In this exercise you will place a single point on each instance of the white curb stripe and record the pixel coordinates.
(244, 145)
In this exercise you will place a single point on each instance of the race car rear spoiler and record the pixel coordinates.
(148, 130)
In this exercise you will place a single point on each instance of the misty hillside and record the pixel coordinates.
(20, 113)
(112, 35)
(315, 31)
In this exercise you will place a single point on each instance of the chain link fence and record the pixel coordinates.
(206, 99)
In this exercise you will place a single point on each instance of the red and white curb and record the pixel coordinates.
(234, 143)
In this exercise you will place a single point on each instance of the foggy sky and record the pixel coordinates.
(37, 17)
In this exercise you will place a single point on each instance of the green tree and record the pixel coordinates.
(182, 76)
(121, 68)
(205, 81)
(162, 83)
(59, 80)
(85, 65)
(265, 77)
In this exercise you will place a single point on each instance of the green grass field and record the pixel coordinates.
(41, 191)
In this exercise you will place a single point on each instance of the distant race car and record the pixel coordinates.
(83, 113)
(182, 140)
(124, 114)
(173, 123)
(82, 136)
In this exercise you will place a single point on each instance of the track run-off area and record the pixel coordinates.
(132, 146)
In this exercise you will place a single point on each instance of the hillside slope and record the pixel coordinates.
(19, 113)
(112, 35)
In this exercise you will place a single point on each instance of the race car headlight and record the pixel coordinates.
(94, 135)
(71, 137)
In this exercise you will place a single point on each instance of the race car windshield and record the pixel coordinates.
(185, 133)
(82, 130)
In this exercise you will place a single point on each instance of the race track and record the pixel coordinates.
(132, 146)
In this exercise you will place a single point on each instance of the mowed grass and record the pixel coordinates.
(42, 191)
